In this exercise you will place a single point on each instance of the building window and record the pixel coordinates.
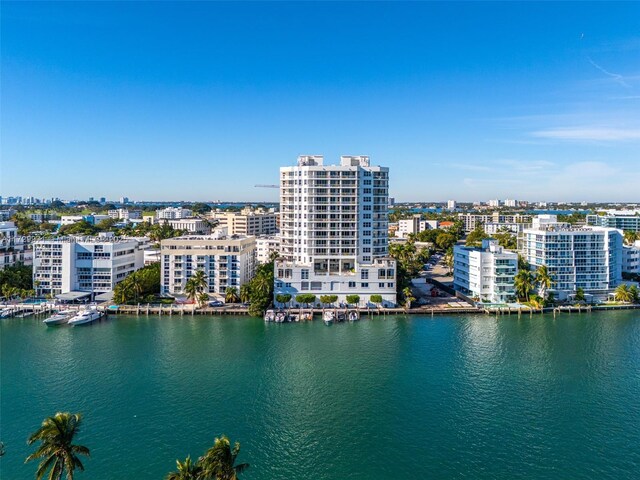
(365, 285)
(352, 284)
(364, 274)
(304, 274)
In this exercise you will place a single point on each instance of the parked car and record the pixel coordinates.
(216, 303)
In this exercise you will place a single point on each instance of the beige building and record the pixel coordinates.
(247, 222)
(226, 260)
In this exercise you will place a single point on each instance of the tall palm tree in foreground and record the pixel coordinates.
(219, 462)
(623, 294)
(186, 470)
(58, 453)
(523, 283)
(544, 281)
(231, 295)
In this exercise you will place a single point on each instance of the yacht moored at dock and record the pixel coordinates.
(59, 318)
(328, 317)
(84, 317)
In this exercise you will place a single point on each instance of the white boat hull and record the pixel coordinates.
(85, 318)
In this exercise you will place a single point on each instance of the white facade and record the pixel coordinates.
(589, 258)
(486, 273)
(226, 260)
(491, 228)
(70, 219)
(510, 203)
(631, 258)
(124, 214)
(334, 229)
(85, 264)
(172, 213)
(452, 205)
(12, 247)
(266, 246)
(494, 203)
(191, 225)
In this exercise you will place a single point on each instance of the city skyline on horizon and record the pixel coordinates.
(524, 101)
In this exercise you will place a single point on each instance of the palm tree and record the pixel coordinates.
(186, 470)
(245, 292)
(408, 297)
(544, 280)
(523, 283)
(580, 294)
(448, 259)
(191, 289)
(57, 450)
(219, 461)
(196, 286)
(231, 295)
(623, 294)
(633, 292)
(200, 279)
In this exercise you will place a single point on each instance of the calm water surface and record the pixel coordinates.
(465, 397)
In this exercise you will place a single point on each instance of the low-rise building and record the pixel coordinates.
(266, 246)
(172, 213)
(124, 214)
(12, 246)
(226, 260)
(486, 273)
(196, 226)
(84, 264)
(619, 221)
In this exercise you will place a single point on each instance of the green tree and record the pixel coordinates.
(141, 283)
(377, 299)
(474, 239)
(306, 299)
(445, 241)
(79, 228)
(186, 470)
(407, 294)
(219, 462)
(353, 300)
(523, 283)
(245, 292)
(17, 276)
(58, 452)
(623, 294)
(633, 292)
(231, 295)
(580, 295)
(544, 280)
(283, 298)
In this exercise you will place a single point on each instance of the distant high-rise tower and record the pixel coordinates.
(334, 229)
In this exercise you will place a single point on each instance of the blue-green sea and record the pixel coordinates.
(449, 397)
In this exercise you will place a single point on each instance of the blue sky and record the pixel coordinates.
(200, 101)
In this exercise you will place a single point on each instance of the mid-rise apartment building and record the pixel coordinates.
(589, 257)
(621, 222)
(631, 258)
(486, 273)
(12, 245)
(172, 213)
(226, 260)
(334, 222)
(192, 225)
(124, 214)
(248, 222)
(84, 264)
(471, 221)
(266, 246)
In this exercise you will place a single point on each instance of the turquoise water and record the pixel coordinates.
(460, 397)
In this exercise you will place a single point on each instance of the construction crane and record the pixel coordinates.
(267, 186)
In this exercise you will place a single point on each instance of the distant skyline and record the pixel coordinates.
(201, 101)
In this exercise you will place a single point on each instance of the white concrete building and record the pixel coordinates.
(84, 264)
(486, 273)
(266, 246)
(510, 203)
(631, 258)
(494, 203)
(589, 257)
(226, 260)
(334, 223)
(491, 228)
(70, 219)
(12, 246)
(408, 226)
(452, 205)
(124, 214)
(173, 213)
(248, 222)
(192, 225)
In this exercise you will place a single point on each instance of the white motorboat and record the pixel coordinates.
(270, 316)
(281, 317)
(328, 317)
(84, 317)
(353, 316)
(5, 312)
(58, 318)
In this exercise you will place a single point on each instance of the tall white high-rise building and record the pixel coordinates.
(452, 205)
(334, 224)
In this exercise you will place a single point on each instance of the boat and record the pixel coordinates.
(341, 317)
(281, 317)
(84, 317)
(269, 316)
(353, 316)
(58, 318)
(5, 312)
(294, 317)
(328, 317)
(306, 316)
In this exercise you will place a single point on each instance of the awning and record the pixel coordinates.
(72, 296)
(104, 296)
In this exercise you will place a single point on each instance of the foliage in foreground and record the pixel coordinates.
(141, 285)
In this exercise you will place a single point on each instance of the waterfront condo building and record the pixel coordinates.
(266, 246)
(621, 221)
(588, 257)
(172, 213)
(334, 230)
(12, 246)
(226, 260)
(486, 273)
(631, 258)
(85, 264)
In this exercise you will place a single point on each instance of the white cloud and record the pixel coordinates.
(588, 133)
